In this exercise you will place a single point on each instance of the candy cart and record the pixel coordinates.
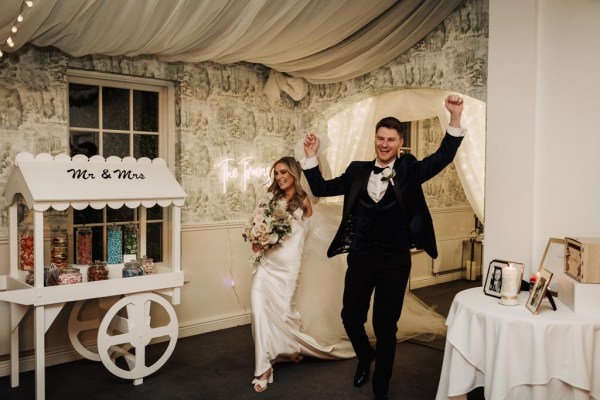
(125, 326)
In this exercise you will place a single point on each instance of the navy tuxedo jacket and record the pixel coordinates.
(410, 175)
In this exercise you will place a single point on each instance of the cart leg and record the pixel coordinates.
(40, 330)
(14, 357)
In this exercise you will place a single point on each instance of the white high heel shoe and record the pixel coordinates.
(260, 385)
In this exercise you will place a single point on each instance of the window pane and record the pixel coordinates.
(83, 106)
(145, 146)
(154, 213)
(87, 216)
(98, 243)
(145, 111)
(123, 214)
(154, 241)
(406, 127)
(115, 144)
(115, 108)
(85, 143)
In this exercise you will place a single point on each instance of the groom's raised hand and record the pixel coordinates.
(455, 105)
(311, 145)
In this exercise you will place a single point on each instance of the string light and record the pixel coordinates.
(9, 40)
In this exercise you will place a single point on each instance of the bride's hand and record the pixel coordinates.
(311, 145)
(255, 247)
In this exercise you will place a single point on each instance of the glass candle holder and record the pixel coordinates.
(114, 245)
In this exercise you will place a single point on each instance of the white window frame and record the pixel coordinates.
(166, 128)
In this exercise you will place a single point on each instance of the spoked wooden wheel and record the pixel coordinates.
(127, 329)
(84, 321)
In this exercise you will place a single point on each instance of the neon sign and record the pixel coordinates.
(244, 171)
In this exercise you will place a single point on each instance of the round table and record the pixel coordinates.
(514, 354)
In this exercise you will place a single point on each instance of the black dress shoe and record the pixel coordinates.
(381, 397)
(361, 376)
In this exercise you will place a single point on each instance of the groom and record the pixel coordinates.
(384, 216)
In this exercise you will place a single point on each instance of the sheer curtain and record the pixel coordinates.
(351, 134)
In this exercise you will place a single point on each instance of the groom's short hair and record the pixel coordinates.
(391, 123)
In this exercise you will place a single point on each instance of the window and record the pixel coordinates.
(410, 140)
(123, 119)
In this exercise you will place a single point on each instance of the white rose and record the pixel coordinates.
(273, 238)
(388, 174)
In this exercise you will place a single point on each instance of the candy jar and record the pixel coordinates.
(132, 268)
(130, 240)
(69, 276)
(29, 278)
(59, 247)
(83, 245)
(147, 265)
(26, 248)
(114, 247)
(97, 271)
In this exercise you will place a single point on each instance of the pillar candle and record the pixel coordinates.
(509, 284)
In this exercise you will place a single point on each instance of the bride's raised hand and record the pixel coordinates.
(255, 247)
(311, 144)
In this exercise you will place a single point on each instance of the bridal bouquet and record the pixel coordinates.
(268, 226)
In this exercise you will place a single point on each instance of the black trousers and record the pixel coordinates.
(388, 277)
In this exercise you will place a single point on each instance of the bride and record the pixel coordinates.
(296, 291)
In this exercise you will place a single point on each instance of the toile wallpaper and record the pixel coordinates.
(227, 133)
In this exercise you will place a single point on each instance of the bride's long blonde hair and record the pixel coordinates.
(294, 169)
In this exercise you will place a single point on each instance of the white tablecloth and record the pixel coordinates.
(514, 354)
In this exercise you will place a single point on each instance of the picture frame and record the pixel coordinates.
(493, 279)
(553, 260)
(538, 293)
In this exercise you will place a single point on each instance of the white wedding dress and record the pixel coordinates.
(296, 297)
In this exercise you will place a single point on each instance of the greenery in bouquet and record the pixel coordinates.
(268, 226)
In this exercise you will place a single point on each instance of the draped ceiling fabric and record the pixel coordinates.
(322, 41)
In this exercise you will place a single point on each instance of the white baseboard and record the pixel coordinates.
(435, 279)
(214, 324)
(68, 354)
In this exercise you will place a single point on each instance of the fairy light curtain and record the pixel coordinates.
(320, 41)
(352, 131)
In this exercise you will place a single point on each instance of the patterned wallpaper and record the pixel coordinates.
(224, 123)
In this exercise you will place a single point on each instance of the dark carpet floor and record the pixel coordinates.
(219, 365)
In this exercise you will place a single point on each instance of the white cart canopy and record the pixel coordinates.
(59, 182)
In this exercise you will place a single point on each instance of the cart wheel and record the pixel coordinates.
(127, 325)
(78, 325)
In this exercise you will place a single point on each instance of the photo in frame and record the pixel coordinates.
(538, 293)
(493, 280)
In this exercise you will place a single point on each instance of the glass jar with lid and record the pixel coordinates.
(83, 245)
(26, 248)
(130, 239)
(147, 265)
(97, 271)
(59, 248)
(133, 268)
(69, 276)
(114, 245)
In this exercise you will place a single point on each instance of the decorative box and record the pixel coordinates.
(579, 297)
(582, 259)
